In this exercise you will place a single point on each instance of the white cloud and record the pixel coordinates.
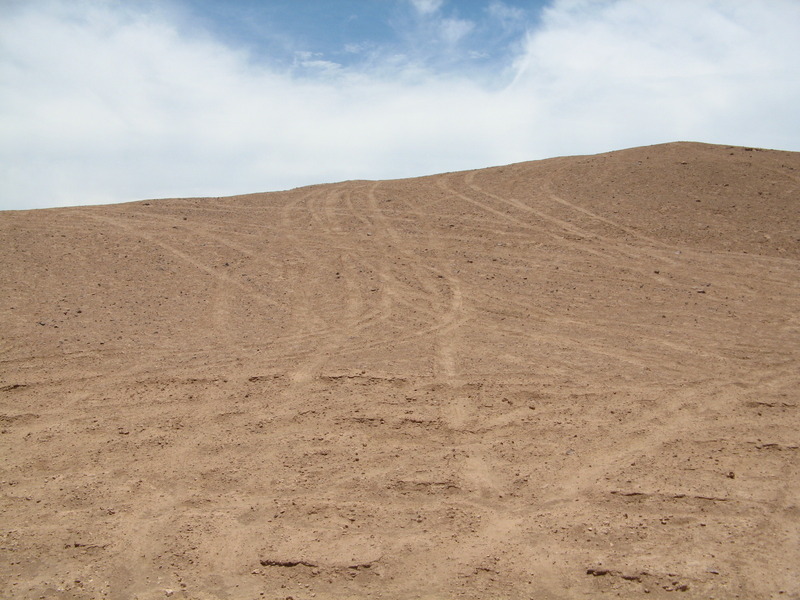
(100, 103)
(315, 62)
(356, 48)
(632, 72)
(504, 13)
(453, 30)
(427, 7)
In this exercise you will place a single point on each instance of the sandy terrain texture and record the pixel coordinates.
(569, 378)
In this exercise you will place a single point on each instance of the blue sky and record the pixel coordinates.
(111, 100)
(473, 35)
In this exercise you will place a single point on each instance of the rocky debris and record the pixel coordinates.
(268, 562)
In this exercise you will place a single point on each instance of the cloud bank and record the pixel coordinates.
(104, 102)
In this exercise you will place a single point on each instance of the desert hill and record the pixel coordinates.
(569, 378)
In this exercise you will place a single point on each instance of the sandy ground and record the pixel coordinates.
(572, 378)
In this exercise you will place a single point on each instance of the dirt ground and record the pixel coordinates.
(571, 378)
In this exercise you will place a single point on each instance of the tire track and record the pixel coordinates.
(223, 284)
(632, 255)
(306, 319)
(560, 239)
(358, 316)
(353, 318)
(619, 250)
(183, 256)
(204, 232)
(450, 312)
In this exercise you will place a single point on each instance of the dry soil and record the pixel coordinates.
(570, 378)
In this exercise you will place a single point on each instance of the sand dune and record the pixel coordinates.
(570, 378)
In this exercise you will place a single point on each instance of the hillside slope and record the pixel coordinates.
(570, 378)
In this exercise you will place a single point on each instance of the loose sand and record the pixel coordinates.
(571, 378)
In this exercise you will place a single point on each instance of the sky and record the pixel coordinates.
(105, 101)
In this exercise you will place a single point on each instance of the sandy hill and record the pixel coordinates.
(570, 378)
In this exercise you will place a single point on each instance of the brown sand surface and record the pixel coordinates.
(570, 378)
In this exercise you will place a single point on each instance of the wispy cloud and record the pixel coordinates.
(101, 102)
(427, 7)
(453, 30)
(509, 16)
